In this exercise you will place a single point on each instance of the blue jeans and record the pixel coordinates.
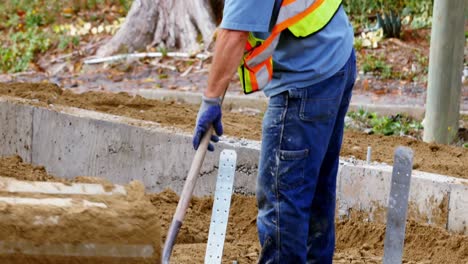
(296, 185)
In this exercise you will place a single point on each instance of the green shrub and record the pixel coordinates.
(394, 125)
(391, 24)
(399, 124)
(361, 11)
(376, 65)
(19, 51)
(67, 42)
(34, 19)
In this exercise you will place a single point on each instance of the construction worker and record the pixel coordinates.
(309, 86)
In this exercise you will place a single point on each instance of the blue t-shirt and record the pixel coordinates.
(297, 62)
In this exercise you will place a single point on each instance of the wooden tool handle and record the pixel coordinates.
(187, 192)
(186, 196)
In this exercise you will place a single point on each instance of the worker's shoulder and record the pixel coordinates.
(247, 15)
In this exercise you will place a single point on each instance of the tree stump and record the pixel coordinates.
(171, 24)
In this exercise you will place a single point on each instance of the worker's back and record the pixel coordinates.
(298, 61)
(309, 60)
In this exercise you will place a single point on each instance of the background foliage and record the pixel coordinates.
(363, 12)
(26, 27)
(29, 27)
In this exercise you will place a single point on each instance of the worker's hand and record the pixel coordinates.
(208, 115)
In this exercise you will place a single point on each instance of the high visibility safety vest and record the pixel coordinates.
(303, 18)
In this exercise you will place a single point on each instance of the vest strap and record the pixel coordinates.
(303, 18)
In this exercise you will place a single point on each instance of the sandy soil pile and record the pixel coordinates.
(14, 167)
(447, 160)
(127, 220)
(357, 240)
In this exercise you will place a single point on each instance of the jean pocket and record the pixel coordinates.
(291, 168)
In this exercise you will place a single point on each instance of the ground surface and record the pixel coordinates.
(128, 219)
(447, 160)
(357, 241)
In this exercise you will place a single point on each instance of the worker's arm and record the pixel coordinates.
(229, 51)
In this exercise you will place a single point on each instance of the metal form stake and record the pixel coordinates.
(398, 206)
(221, 205)
(369, 155)
(445, 71)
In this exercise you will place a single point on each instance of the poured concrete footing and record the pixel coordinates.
(259, 102)
(74, 142)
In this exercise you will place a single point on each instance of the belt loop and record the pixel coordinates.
(295, 93)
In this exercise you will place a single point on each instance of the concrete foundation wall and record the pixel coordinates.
(367, 188)
(73, 142)
(16, 130)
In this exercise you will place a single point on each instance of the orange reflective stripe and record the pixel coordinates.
(287, 2)
(269, 65)
(263, 47)
(257, 68)
(282, 26)
(293, 20)
(253, 79)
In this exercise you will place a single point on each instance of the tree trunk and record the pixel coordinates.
(173, 24)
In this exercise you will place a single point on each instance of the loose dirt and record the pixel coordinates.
(126, 220)
(447, 160)
(358, 241)
(15, 168)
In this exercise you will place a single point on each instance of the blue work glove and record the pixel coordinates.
(208, 115)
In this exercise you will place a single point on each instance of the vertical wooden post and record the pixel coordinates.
(445, 71)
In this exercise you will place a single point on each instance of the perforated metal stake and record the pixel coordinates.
(221, 205)
(398, 206)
